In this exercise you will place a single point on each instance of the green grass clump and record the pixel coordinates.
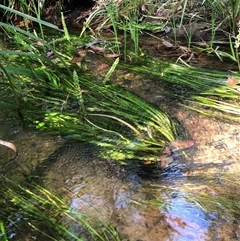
(72, 102)
(202, 90)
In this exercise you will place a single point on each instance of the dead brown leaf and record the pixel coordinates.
(76, 60)
(11, 146)
(231, 81)
(182, 144)
(167, 44)
(96, 48)
(111, 55)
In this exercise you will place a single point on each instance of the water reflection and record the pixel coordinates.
(186, 220)
(141, 208)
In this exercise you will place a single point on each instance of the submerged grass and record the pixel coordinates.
(202, 90)
(215, 195)
(115, 119)
(74, 103)
(45, 215)
(218, 193)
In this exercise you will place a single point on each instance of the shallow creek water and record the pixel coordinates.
(140, 207)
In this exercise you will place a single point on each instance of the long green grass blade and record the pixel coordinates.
(47, 24)
(3, 235)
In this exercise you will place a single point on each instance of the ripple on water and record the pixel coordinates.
(187, 221)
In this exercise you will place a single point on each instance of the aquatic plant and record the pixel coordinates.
(45, 215)
(205, 91)
(78, 105)
(221, 199)
(103, 114)
(75, 103)
(215, 196)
